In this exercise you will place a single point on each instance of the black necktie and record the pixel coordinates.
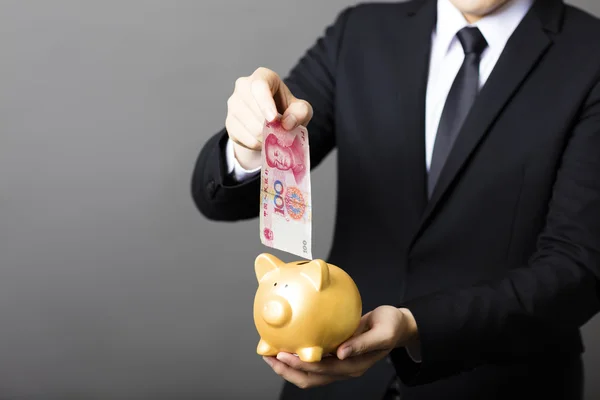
(460, 99)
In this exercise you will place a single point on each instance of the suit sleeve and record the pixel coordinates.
(218, 196)
(519, 314)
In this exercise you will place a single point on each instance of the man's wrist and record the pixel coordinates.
(234, 167)
(245, 160)
(249, 160)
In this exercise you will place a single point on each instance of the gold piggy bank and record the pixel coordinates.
(306, 308)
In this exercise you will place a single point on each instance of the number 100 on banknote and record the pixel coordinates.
(286, 210)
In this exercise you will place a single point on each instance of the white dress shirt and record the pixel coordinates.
(447, 56)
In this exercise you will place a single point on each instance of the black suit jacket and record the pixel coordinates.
(502, 266)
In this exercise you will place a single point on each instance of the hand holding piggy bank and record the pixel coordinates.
(306, 308)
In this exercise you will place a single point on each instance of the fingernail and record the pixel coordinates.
(268, 361)
(290, 122)
(345, 352)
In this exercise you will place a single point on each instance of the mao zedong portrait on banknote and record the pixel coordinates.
(286, 158)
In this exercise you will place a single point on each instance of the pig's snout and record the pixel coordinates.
(277, 312)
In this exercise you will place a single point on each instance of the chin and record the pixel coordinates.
(478, 8)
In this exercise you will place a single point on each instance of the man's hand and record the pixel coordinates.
(259, 97)
(380, 331)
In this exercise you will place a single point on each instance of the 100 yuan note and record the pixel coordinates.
(286, 209)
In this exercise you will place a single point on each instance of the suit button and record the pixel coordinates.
(211, 187)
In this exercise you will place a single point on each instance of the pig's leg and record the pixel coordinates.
(265, 349)
(311, 354)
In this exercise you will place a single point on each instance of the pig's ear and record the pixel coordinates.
(266, 263)
(317, 272)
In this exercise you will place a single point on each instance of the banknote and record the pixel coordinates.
(286, 209)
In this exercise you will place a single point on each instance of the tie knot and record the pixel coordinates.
(472, 40)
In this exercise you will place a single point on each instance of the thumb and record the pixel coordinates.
(299, 112)
(372, 340)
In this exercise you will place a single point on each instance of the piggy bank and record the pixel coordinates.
(307, 308)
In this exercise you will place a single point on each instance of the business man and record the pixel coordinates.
(468, 138)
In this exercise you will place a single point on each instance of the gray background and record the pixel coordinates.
(112, 286)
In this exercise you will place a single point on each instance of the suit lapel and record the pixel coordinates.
(414, 43)
(521, 54)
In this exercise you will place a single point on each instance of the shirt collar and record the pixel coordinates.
(497, 27)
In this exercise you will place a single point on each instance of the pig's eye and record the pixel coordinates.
(275, 284)
(286, 285)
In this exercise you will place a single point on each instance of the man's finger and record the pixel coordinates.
(252, 122)
(332, 366)
(372, 340)
(299, 112)
(252, 105)
(363, 325)
(265, 84)
(327, 366)
(299, 378)
(243, 137)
